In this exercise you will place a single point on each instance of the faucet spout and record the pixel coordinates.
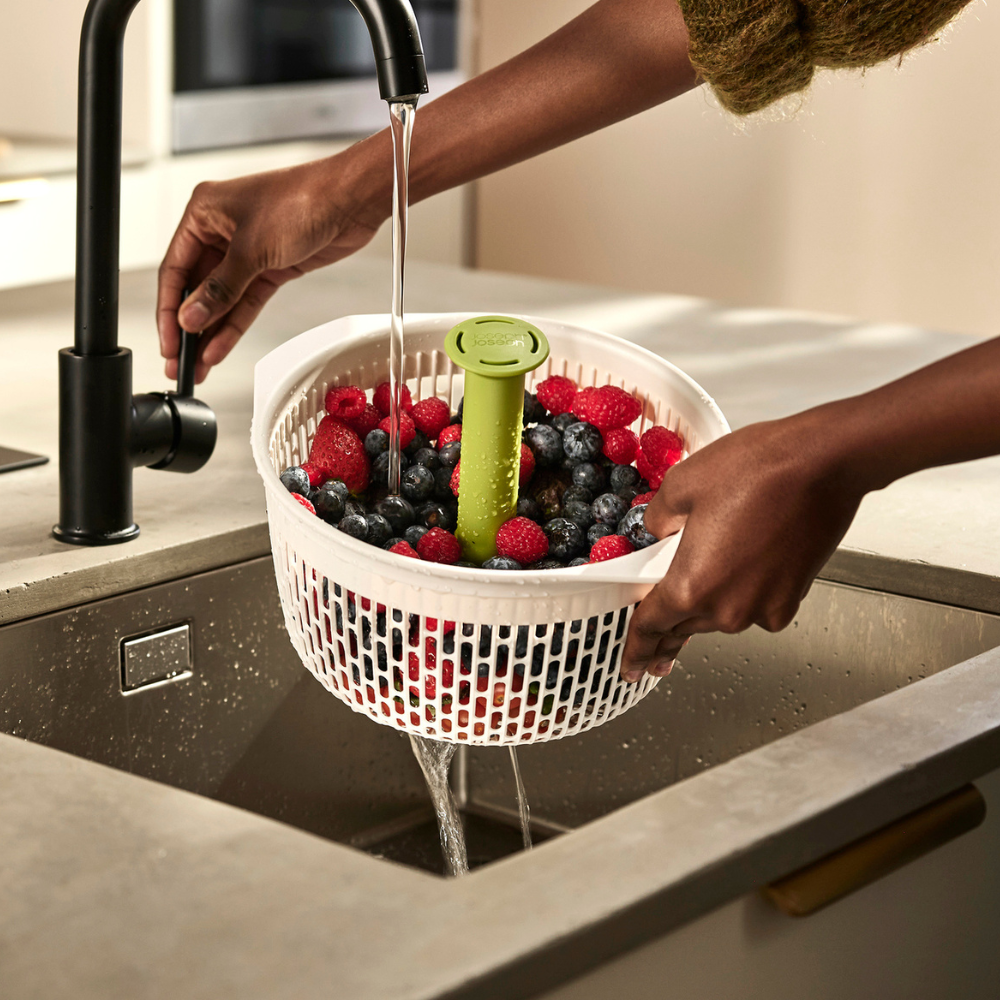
(399, 54)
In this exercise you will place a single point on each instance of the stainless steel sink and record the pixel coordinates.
(248, 726)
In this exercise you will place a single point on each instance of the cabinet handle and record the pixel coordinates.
(866, 860)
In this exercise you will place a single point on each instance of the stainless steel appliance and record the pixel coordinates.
(251, 71)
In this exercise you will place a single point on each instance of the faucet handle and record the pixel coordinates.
(186, 359)
(185, 363)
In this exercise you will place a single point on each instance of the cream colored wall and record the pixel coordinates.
(878, 198)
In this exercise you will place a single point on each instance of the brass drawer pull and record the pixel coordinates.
(859, 864)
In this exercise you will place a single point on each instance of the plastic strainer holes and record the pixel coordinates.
(467, 681)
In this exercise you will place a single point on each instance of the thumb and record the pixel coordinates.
(669, 509)
(218, 293)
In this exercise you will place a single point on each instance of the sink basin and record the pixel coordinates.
(248, 726)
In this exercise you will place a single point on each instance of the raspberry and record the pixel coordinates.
(661, 447)
(455, 477)
(407, 429)
(642, 498)
(556, 393)
(453, 432)
(380, 397)
(405, 549)
(606, 407)
(431, 416)
(527, 465)
(620, 445)
(364, 424)
(439, 546)
(432, 623)
(610, 547)
(346, 402)
(522, 539)
(304, 501)
(653, 474)
(338, 451)
(317, 476)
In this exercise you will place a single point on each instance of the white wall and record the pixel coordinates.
(39, 52)
(876, 199)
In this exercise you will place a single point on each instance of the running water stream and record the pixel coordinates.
(522, 800)
(434, 758)
(401, 115)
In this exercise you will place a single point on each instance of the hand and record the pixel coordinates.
(240, 240)
(762, 510)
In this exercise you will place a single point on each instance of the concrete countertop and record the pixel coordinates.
(114, 885)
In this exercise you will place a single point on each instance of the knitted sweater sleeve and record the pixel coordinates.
(751, 52)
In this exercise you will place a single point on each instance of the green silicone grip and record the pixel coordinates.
(496, 352)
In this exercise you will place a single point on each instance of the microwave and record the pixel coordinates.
(256, 71)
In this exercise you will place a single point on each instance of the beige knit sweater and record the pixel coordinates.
(751, 52)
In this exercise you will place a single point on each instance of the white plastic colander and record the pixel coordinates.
(447, 652)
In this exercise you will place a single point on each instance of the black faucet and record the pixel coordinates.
(105, 431)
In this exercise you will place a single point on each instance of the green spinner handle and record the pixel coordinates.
(495, 352)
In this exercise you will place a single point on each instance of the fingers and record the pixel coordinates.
(182, 256)
(669, 508)
(221, 290)
(661, 626)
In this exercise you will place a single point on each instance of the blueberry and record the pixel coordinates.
(563, 421)
(609, 508)
(582, 442)
(450, 453)
(579, 561)
(339, 487)
(380, 468)
(633, 527)
(468, 565)
(398, 512)
(627, 494)
(596, 531)
(549, 498)
(355, 507)
(442, 484)
(501, 562)
(622, 476)
(395, 540)
(376, 442)
(296, 480)
(379, 530)
(565, 538)
(533, 410)
(590, 477)
(419, 442)
(526, 507)
(417, 484)
(329, 503)
(457, 419)
(438, 515)
(414, 533)
(428, 458)
(355, 525)
(546, 443)
(577, 494)
(579, 513)
(549, 562)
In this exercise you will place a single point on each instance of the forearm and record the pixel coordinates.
(616, 59)
(944, 413)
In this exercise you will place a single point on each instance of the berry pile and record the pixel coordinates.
(585, 476)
